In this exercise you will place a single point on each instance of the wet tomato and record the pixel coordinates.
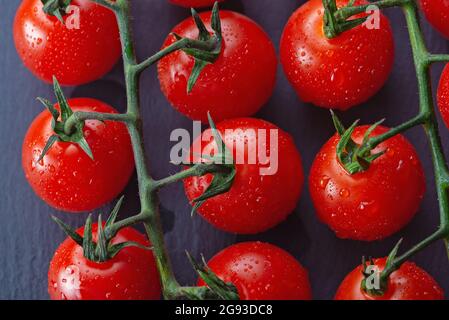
(257, 199)
(443, 95)
(82, 50)
(335, 73)
(372, 204)
(409, 282)
(66, 178)
(437, 12)
(131, 275)
(261, 271)
(236, 85)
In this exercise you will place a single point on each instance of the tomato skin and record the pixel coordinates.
(409, 282)
(373, 204)
(437, 13)
(194, 3)
(240, 211)
(66, 178)
(261, 271)
(233, 86)
(443, 95)
(74, 56)
(336, 73)
(131, 275)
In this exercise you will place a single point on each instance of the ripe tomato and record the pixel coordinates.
(261, 271)
(194, 3)
(66, 178)
(76, 55)
(131, 275)
(437, 12)
(256, 201)
(236, 85)
(409, 282)
(372, 204)
(340, 72)
(443, 95)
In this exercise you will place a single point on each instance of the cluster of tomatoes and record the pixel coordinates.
(331, 73)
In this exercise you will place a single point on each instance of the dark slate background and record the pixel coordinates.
(28, 238)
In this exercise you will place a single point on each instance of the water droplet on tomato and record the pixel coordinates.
(324, 181)
(344, 193)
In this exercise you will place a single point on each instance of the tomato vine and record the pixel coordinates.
(335, 23)
(205, 49)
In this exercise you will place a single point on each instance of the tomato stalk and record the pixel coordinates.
(205, 50)
(426, 116)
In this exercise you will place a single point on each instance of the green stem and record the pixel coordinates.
(78, 116)
(184, 43)
(197, 170)
(346, 12)
(438, 58)
(375, 141)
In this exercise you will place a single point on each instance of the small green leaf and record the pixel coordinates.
(351, 24)
(215, 21)
(196, 71)
(85, 146)
(50, 142)
(223, 290)
(114, 212)
(370, 130)
(50, 107)
(337, 123)
(393, 254)
(101, 251)
(66, 112)
(55, 8)
(222, 149)
(344, 146)
(222, 180)
(203, 33)
(69, 231)
(201, 56)
(88, 244)
(116, 248)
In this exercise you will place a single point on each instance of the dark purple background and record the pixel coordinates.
(28, 237)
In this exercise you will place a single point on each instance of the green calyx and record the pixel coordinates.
(333, 26)
(216, 288)
(58, 123)
(56, 8)
(223, 178)
(203, 57)
(102, 249)
(375, 283)
(352, 156)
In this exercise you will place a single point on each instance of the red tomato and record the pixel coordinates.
(261, 271)
(409, 282)
(255, 202)
(75, 56)
(335, 73)
(236, 85)
(373, 204)
(131, 275)
(437, 12)
(443, 95)
(66, 178)
(194, 3)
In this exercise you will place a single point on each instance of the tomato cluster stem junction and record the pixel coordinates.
(426, 117)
